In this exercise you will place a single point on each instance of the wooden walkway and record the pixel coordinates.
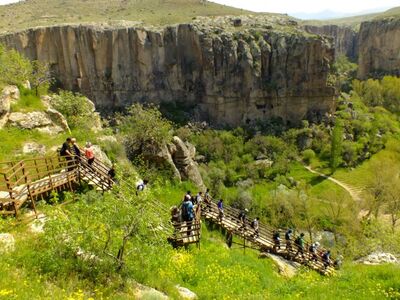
(28, 180)
(264, 240)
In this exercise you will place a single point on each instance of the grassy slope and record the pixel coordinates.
(213, 272)
(32, 13)
(356, 20)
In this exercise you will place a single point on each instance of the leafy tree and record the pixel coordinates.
(14, 68)
(40, 76)
(145, 130)
(336, 146)
(76, 108)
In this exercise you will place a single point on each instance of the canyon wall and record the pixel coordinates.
(345, 38)
(379, 48)
(231, 76)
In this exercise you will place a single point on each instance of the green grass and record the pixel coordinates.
(153, 12)
(28, 102)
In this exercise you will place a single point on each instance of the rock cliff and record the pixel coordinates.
(379, 47)
(232, 75)
(345, 38)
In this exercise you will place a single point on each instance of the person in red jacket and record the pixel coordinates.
(89, 153)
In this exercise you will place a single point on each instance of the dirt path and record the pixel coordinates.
(354, 193)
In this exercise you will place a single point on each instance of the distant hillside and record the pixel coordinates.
(31, 13)
(355, 21)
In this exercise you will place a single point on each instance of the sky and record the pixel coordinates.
(311, 6)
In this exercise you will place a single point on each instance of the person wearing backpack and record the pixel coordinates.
(300, 245)
(198, 199)
(67, 152)
(277, 240)
(326, 258)
(141, 185)
(288, 238)
(313, 250)
(187, 210)
(220, 206)
(254, 225)
(242, 218)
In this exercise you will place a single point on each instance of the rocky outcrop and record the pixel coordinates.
(8, 95)
(185, 293)
(345, 38)
(33, 148)
(379, 48)
(34, 120)
(231, 77)
(286, 268)
(183, 159)
(378, 258)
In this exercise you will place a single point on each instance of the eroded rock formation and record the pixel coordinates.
(232, 76)
(345, 38)
(379, 47)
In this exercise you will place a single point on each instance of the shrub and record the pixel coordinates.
(308, 156)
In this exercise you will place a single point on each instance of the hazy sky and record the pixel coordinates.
(310, 6)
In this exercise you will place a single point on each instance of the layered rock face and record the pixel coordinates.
(231, 76)
(379, 47)
(345, 38)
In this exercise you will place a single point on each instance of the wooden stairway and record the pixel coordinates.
(264, 241)
(28, 180)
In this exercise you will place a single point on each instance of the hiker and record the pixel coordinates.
(277, 240)
(141, 185)
(314, 251)
(75, 151)
(198, 199)
(220, 206)
(338, 262)
(66, 151)
(175, 214)
(242, 217)
(111, 172)
(326, 258)
(89, 154)
(254, 224)
(300, 245)
(187, 210)
(207, 196)
(288, 238)
(229, 239)
(188, 196)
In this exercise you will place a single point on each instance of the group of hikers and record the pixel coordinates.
(294, 247)
(72, 153)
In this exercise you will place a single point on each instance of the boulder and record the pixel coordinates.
(100, 155)
(185, 293)
(8, 95)
(286, 267)
(34, 120)
(183, 160)
(33, 147)
(7, 242)
(378, 258)
(31, 120)
(27, 85)
(11, 94)
(58, 119)
(37, 226)
(145, 292)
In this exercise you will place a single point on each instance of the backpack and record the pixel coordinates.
(185, 210)
(287, 236)
(253, 224)
(276, 235)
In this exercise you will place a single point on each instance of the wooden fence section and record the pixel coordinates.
(187, 232)
(27, 180)
(264, 240)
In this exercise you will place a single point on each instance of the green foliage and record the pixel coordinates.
(14, 68)
(384, 92)
(28, 102)
(308, 156)
(145, 130)
(336, 146)
(76, 109)
(344, 72)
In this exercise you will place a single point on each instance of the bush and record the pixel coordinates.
(308, 156)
